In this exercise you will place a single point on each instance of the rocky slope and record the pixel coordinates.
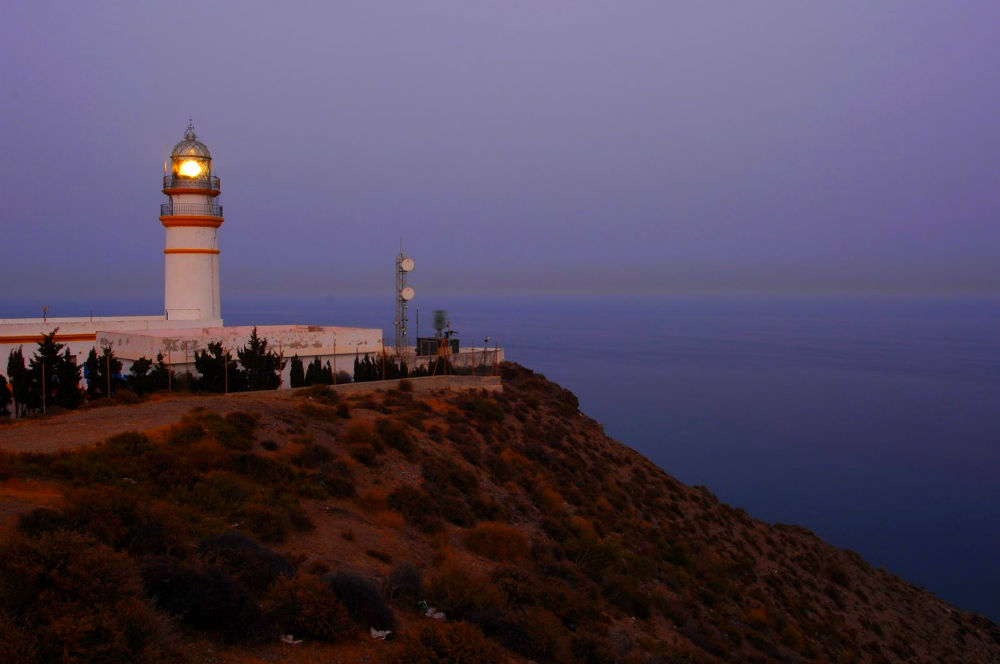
(513, 514)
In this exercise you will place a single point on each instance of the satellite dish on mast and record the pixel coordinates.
(406, 265)
(407, 293)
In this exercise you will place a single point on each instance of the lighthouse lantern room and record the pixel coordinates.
(191, 216)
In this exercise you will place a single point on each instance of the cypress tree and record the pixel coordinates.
(20, 382)
(213, 364)
(159, 377)
(98, 370)
(261, 367)
(139, 378)
(5, 396)
(297, 375)
(68, 381)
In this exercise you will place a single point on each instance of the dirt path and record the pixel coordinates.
(85, 427)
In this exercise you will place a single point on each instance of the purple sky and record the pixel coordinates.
(515, 146)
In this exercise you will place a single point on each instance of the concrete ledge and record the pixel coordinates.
(425, 384)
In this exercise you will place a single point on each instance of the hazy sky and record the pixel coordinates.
(515, 146)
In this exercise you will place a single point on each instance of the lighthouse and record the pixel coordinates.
(191, 216)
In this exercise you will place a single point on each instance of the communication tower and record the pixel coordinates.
(404, 294)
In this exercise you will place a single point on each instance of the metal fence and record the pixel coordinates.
(173, 182)
(196, 209)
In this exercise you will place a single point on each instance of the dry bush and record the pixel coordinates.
(362, 432)
(546, 637)
(312, 456)
(268, 523)
(435, 642)
(364, 453)
(217, 492)
(497, 540)
(123, 520)
(234, 431)
(418, 508)
(306, 606)
(337, 478)
(394, 434)
(205, 598)
(241, 556)
(392, 520)
(756, 617)
(548, 500)
(362, 599)
(64, 597)
(458, 591)
(406, 583)
(372, 500)
(320, 393)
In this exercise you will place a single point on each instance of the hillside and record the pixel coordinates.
(322, 515)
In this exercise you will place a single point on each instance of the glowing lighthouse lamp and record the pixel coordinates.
(191, 216)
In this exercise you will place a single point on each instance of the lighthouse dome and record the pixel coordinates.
(190, 146)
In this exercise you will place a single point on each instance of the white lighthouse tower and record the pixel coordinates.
(192, 217)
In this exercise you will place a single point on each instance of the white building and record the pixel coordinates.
(192, 309)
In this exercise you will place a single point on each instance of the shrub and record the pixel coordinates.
(306, 606)
(445, 475)
(417, 508)
(129, 443)
(204, 598)
(66, 598)
(364, 453)
(185, 433)
(256, 565)
(485, 409)
(120, 520)
(395, 435)
(497, 540)
(433, 642)
(268, 523)
(406, 583)
(389, 519)
(234, 431)
(372, 500)
(320, 393)
(362, 432)
(460, 591)
(218, 492)
(546, 637)
(313, 456)
(337, 478)
(41, 520)
(362, 599)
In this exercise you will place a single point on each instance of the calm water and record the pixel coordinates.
(873, 421)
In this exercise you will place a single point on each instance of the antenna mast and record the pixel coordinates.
(404, 294)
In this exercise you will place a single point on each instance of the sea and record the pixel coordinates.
(874, 421)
